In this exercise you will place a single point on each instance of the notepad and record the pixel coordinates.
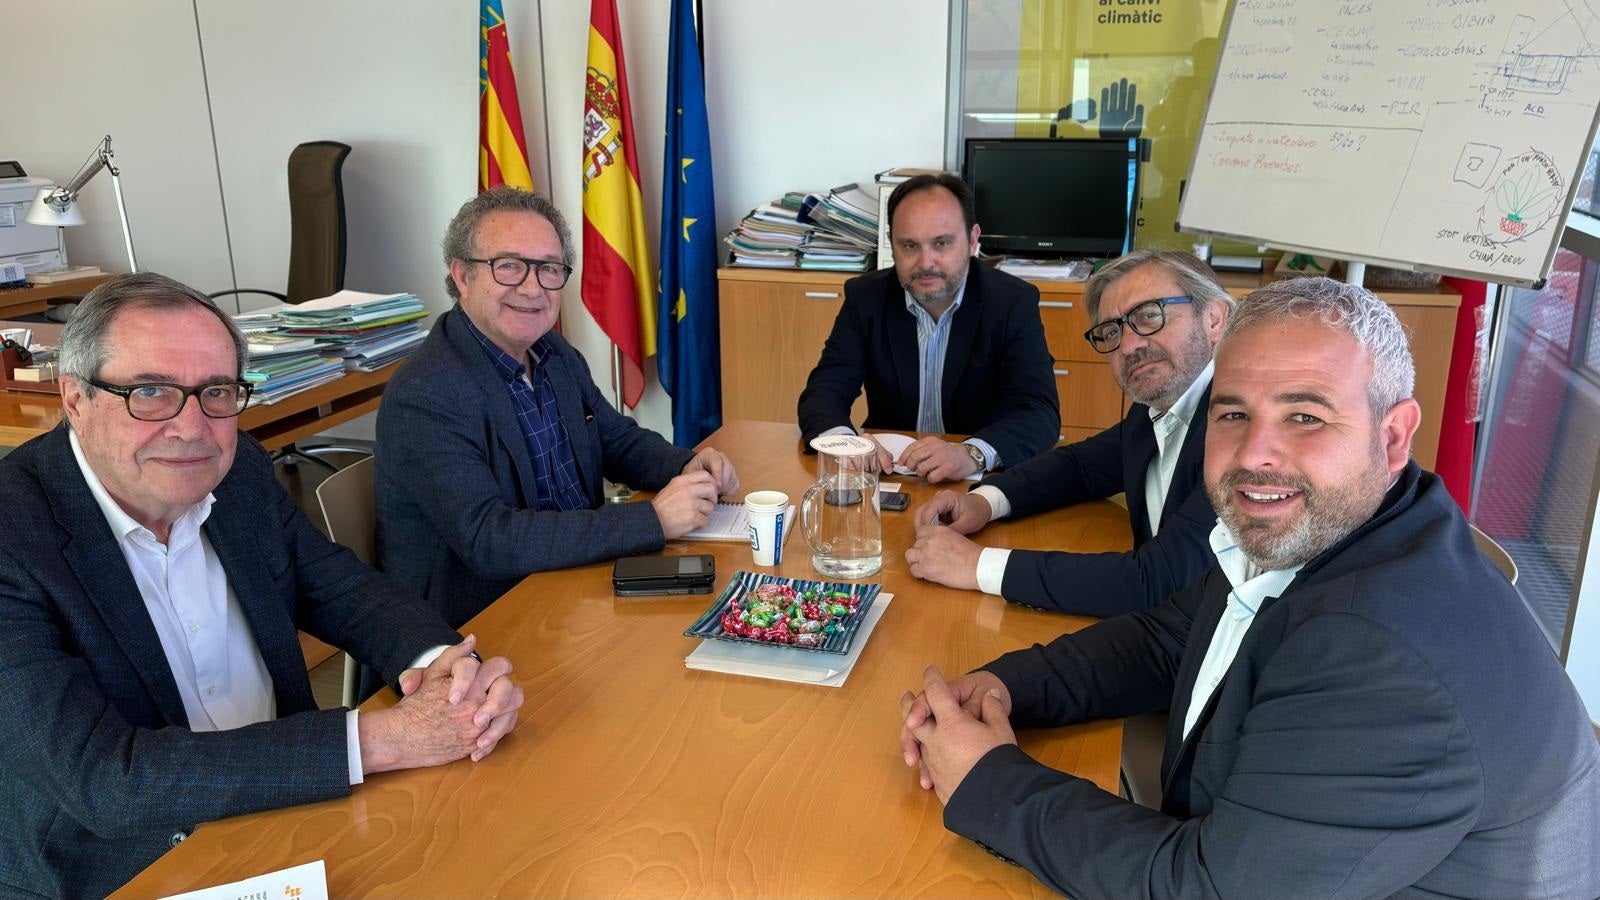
(730, 522)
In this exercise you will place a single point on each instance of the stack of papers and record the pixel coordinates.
(784, 663)
(348, 310)
(832, 231)
(1048, 270)
(278, 377)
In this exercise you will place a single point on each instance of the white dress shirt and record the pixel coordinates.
(1171, 428)
(1251, 587)
(221, 677)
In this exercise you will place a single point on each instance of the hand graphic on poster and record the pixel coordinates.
(1121, 115)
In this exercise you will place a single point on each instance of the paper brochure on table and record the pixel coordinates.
(896, 444)
(304, 882)
(825, 669)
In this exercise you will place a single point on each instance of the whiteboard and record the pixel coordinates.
(1438, 135)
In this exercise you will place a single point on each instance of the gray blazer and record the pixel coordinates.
(99, 772)
(455, 484)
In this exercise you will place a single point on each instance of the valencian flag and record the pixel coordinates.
(689, 360)
(502, 150)
(616, 259)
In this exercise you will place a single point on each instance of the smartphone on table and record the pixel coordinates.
(656, 575)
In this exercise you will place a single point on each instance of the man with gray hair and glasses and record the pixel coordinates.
(1157, 315)
(493, 440)
(153, 578)
(1361, 705)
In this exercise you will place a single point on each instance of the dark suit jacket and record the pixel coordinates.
(1113, 461)
(998, 385)
(100, 770)
(1394, 723)
(455, 483)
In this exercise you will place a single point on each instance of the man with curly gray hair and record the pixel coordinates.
(1360, 704)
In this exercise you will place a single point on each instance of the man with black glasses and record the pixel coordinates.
(152, 579)
(493, 439)
(1158, 315)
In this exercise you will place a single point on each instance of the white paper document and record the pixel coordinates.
(896, 444)
(780, 664)
(304, 882)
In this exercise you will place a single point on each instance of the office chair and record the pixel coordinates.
(349, 507)
(316, 251)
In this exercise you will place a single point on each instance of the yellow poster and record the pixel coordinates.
(1123, 68)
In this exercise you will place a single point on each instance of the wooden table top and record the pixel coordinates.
(632, 775)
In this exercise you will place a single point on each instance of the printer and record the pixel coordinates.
(37, 248)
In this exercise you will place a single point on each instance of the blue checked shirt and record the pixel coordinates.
(555, 469)
(933, 338)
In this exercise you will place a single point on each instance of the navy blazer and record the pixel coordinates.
(455, 483)
(1113, 461)
(999, 384)
(1394, 723)
(101, 772)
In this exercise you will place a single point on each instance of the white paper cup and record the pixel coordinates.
(766, 511)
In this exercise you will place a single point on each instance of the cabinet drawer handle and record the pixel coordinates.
(1060, 372)
(823, 295)
(1056, 304)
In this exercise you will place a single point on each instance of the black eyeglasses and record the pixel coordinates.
(512, 271)
(1145, 319)
(157, 401)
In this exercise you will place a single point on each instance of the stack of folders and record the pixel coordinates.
(368, 331)
(832, 231)
(283, 365)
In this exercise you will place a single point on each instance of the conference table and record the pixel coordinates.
(631, 775)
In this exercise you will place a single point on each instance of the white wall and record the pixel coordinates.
(79, 71)
(395, 79)
(802, 96)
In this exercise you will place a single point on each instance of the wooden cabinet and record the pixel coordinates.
(774, 323)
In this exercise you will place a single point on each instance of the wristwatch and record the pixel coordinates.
(977, 455)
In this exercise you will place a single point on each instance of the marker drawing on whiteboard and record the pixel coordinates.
(1524, 197)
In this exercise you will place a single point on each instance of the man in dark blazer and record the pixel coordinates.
(1361, 705)
(493, 441)
(941, 345)
(151, 584)
(1157, 315)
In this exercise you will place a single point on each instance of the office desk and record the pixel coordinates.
(27, 301)
(631, 775)
(24, 415)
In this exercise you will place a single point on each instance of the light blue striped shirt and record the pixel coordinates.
(933, 340)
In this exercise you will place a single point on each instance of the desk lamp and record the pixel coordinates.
(58, 206)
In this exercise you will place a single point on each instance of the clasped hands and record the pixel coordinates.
(455, 707)
(686, 502)
(948, 727)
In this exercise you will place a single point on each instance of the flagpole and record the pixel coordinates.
(620, 493)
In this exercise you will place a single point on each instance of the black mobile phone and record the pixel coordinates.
(894, 500)
(654, 575)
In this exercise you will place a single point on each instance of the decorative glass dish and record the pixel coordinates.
(792, 613)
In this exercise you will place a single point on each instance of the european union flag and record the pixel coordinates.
(688, 357)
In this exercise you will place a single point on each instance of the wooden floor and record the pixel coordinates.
(327, 680)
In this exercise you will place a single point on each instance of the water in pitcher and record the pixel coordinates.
(839, 514)
(850, 539)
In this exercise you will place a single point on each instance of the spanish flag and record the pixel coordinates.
(502, 150)
(616, 259)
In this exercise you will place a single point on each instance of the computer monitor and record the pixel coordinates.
(1054, 196)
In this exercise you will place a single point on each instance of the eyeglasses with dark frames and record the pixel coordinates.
(1145, 319)
(158, 401)
(512, 271)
